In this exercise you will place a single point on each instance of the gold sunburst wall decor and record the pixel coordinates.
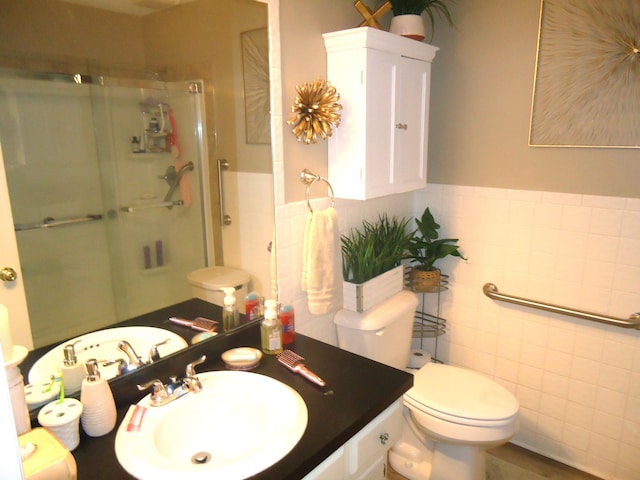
(586, 91)
(316, 111)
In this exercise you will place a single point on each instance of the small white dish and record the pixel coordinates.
(242, 358)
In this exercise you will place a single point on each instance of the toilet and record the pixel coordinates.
(207, 283)
(451, 415)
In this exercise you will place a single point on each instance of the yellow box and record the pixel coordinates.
(51, 459)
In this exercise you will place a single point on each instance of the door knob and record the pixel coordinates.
(8, 274)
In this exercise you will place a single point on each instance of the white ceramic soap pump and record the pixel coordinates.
(72, 371)
(98, 406)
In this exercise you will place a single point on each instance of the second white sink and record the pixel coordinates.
(103, 345)
(238, 425)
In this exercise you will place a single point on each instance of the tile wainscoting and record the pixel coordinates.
(578, 382)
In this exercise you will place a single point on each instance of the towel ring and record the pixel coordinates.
(308, 178)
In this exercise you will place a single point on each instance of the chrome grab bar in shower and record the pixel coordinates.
(491, 291)
(52, 222)
(169, 205)
(224, 218)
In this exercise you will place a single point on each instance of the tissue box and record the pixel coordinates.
(51, 460)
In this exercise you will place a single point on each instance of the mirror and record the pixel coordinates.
(176, 45)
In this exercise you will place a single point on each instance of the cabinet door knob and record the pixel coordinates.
(8, 274)
(401, 126)
(384, 438)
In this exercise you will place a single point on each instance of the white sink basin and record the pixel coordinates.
(103, 345)
(238, 425)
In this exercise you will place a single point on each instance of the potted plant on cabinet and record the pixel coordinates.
(407, 20)
(371, 261)
(424, 249)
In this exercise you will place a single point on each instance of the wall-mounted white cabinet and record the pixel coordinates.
(380, 147)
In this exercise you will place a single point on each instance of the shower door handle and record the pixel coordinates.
(224, 218)
(8, 274)
(51, 222)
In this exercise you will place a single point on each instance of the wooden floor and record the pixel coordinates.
(511, 462)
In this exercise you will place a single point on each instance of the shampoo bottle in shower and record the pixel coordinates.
(98, 406)
(271, 329)
(72, 371)
(230, 311)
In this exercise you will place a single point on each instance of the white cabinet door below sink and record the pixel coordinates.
(364, 456)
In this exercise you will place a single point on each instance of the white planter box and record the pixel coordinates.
(359, 297)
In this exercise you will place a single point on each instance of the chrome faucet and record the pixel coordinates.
(162, 394)
(135, 360)
(173, 178)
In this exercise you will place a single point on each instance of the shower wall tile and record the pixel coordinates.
(578, 382)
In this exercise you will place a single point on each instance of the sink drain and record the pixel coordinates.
(201, 458)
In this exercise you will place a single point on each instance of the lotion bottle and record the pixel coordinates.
(230, 314)
(271, 329)
(72, 371)
(98, 406)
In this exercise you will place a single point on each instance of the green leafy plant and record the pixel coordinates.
(425, 248)
(416, 7)
(374, 248)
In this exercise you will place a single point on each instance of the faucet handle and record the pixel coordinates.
(154, 354)
(190, 371)
(158, 393)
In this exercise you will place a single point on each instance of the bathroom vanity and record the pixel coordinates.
(352, 421)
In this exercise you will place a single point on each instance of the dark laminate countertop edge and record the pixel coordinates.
(361, 390)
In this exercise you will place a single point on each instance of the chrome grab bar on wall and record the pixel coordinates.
(224, 218)
(52, 222)
(491, 291)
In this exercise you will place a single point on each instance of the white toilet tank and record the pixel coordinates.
(207, 283)
(382, 333)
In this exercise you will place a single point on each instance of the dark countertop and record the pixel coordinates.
(358, 389)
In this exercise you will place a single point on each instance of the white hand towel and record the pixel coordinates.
(322, 262)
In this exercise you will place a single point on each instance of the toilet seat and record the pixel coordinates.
(461, 396)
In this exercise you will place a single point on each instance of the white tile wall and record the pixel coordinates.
(249, 202)
(578, 382)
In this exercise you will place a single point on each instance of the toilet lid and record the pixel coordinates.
(461, 393)
(215, 278)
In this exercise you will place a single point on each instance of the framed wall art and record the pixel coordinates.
(587, 80)
(255, 69)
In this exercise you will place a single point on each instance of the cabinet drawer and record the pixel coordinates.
(375, 439)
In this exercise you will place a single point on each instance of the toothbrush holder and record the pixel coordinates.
(62, 419)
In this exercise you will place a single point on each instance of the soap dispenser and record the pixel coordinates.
(271, 329)
(230, 311)
(72, 371)
(98, 405)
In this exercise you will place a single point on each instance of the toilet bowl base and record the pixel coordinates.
(459, 462)
(448, 462)
(409, 462)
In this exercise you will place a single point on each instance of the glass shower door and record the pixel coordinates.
(51, 163)
(86, 207)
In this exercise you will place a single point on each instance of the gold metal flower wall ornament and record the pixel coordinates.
(316, 110)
